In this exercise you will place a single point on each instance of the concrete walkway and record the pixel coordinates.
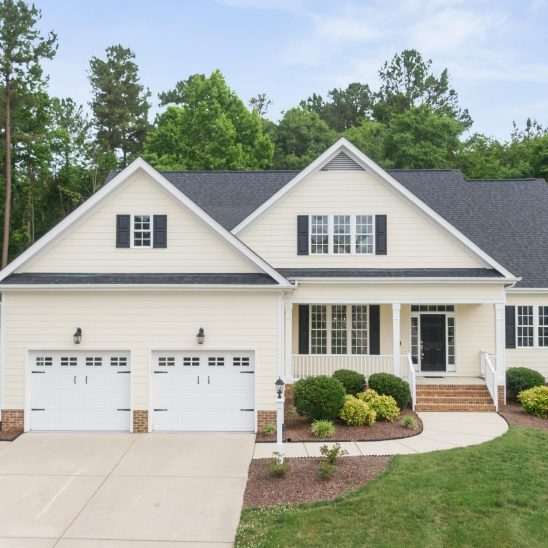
(441, 431)
(116, 490)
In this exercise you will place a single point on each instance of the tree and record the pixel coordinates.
(119, 103)
(422, 138)
(370, 137)
(408, 81)
(207, 127)
(345, 108)
(22, 48)
(260, 104)
(301, 136)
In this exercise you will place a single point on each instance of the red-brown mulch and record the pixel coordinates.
(515, 415)
(303, 483)
(298, 429)
(10, 435)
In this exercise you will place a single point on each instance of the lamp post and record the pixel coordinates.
(280, 420)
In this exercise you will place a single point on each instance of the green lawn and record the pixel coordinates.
(495, 494)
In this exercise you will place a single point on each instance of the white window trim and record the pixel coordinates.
(132, 229)
(329, 329)
(536, 326)
(331, 234)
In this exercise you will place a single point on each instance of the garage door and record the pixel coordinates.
(198, 391)
(80, 391)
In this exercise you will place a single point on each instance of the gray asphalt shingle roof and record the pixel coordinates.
(389, 272)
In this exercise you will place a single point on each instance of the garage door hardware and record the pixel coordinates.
(128, 372)
(122, 409)
(249, 372)
(160, 410)
(155, 372)
(38, 409)
(40, 372)
(247, 409)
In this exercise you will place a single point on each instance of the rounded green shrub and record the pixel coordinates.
(352, 381)
(368, 396)
(519, 379)
(323, 429)
(535, 401)
(390, 385)
(385, 406)
(319, 398)
(356, 412)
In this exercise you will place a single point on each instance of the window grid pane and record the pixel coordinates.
(319, 238)
(415, 340)
(359, 329)
(142, 235)
(338, 329)
(364, 234)
(451, 341)
(318, 329)
(525, 326)
(341, 234)
(543, 325)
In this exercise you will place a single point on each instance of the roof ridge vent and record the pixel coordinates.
(342, 162)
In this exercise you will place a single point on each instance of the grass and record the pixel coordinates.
(495, 494)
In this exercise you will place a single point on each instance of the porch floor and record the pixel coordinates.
(435, 379)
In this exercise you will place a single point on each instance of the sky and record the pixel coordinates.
(496, 51)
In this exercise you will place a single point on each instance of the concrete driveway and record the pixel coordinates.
(98, 490)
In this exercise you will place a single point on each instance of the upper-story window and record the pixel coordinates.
(141, 231)
(342, 234)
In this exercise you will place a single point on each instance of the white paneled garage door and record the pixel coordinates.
(203, 391)
(79, 391)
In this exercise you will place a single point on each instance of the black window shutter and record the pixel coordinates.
(302, 234)
(303, 329)
(374, 329)
(380, 235)
(510, 313)
(122, 230)
(160, 231)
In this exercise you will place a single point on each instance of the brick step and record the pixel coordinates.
(466, 407)
(452, 387)
(454, 399)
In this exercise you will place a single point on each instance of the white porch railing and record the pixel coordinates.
(310, 365)
(408, 374)
(488, 363)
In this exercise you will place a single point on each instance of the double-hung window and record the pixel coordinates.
(141, 230)
(342, 234)
(543, 325)
(525, 326)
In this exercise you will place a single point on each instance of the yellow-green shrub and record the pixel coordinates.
(356, 412)
(385, 407)
(367, 396)
(535, 401)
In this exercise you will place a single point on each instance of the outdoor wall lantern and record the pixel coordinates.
(200, 336)
(280, 388)
(77, 336)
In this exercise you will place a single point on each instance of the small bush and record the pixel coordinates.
(368, 396)
(519, 379)
(322, 429)
(535, 401)
(319, 398)
(277, 469)
(407, 421)
(332, 454)
(269, 428)
(355, 412)
(326, 469)
(352, 381)
(390, 385)
(385, 407)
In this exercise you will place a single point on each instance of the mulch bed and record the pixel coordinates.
(303, 483)
(10, 436)
(298, 429)
(516, 416)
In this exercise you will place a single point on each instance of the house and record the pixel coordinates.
(173, 301)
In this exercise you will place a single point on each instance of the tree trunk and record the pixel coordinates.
(7, 205)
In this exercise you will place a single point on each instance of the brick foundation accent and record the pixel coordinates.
(289, 391)
(12, 420)
(264, 418)
(453, 397)
(140, 421)
(502, 395)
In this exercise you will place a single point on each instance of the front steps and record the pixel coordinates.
(454, 397)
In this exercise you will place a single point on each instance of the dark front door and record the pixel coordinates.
(433, 342)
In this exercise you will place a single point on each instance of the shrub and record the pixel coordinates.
(535, 401)
(352, 381)
(332, 454)
(323, 429)
(390, 385)
(269, 428)
(385, 406)
(519, 379)
(319, 398)
(407, 421)
(326, 469)
(368, 396)
(356, 412)
(278, 469)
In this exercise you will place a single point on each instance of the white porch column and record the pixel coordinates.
(500, 344)
(396, 338)
(288, 341)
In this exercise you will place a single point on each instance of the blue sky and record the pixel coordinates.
(496, 50)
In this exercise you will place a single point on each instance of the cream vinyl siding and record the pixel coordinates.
(534, 357)
(192, 246)
(139, 322)
(414, 241)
